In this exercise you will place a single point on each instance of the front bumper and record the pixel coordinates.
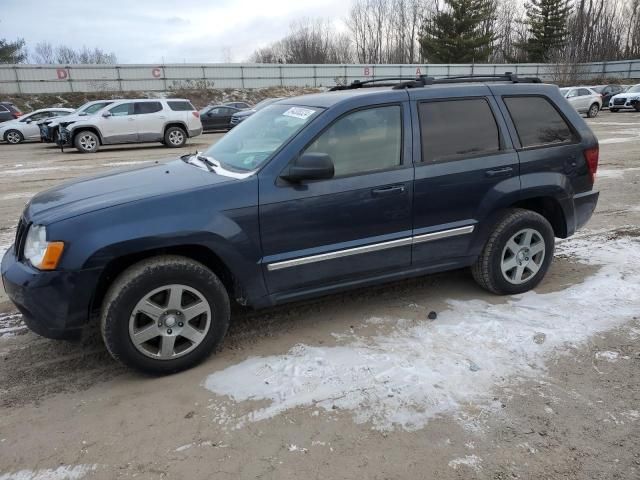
(53, 304)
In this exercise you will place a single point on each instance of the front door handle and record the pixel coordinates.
(385, 191)
(499, 172)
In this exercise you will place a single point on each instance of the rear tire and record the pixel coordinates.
(86, 142)
(593, 111)
(13, 137)
(175, 137)
(517, 254)
(637, 107)
(146, 323)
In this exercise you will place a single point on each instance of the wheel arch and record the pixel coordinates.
(199, 253)
(91, 128)
(175, 123)
(550, 208)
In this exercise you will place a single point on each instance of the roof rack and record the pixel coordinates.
(423, 80)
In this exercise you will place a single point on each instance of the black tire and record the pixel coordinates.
(175, 137)
(134, 285)
(13, 137)
(637, 107)
(487, 268)
(614, 110)
(593, 111)
(86, 141)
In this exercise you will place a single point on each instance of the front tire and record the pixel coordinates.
(175, 137)
(614, 110)
(517, 254)
(164, 315)
(593, 111)
(13, 137)
(637, 107)
(86, 142)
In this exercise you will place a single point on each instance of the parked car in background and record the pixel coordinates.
(238, 105)
(630, 99)
(312, 195)
(217, 117)
(236, 118)
(583, 99)
(169, 121)
(50, 128)
(26, 127)
(8, 111)
(608, 91)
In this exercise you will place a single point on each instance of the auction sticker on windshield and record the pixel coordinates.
(299, 112)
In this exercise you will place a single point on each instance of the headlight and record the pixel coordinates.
(40, 253)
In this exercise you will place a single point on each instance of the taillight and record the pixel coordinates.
(196, 114)
(16, 114)
(591, 156)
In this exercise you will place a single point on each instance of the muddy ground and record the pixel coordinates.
(569, 410)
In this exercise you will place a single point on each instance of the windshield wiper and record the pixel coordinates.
(202, 160)
(208, 160)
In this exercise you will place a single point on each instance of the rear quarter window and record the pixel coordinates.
(537, 122)
(180, 106)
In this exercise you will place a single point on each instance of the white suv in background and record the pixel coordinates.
(626, 100)
(170, 121)
(583, 99)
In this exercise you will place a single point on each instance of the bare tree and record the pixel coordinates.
(45, 53)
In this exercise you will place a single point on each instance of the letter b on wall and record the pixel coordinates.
(62, 73)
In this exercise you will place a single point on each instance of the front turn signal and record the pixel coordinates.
(52, 256)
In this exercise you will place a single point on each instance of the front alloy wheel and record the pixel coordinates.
(14, 137)
(164, 314)
(169, 322)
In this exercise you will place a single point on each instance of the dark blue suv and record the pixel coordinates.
(309, 196)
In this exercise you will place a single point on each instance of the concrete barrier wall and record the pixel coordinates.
(34, 79)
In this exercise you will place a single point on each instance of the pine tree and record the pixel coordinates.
(547, 25)
(458, 34)
(12, 52)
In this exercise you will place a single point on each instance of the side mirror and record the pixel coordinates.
(310, 166)
(106, 114)
(29, 121)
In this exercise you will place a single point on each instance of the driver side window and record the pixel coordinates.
(363, 141)
(121, 110)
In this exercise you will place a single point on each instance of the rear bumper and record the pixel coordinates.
(195, 132)
(584, 205)
(53, 304)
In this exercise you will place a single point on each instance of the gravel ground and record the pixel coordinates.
(359, 385)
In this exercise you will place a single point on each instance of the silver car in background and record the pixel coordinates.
(583, 99)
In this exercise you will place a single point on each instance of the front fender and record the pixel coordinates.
(95, 239)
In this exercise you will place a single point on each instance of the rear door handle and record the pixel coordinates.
(385, 191)
(499, 172)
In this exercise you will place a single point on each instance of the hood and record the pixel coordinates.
(11, 123)
(117, 187)
(244, 113)
(73, 117)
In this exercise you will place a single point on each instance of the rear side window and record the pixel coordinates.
(363, 141)
(3, 108)
(180, 106)
(147, 107)
(456, 129)
(537, 122)
(122, 110)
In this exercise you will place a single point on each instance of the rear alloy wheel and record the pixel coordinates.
(593, 111)
(517, 254)
(86, 142)
(164, 314)
(13, 136)
(175, 137)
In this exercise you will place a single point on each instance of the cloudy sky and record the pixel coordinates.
(150, 31)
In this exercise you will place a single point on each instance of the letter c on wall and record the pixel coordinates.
(62, 73)
(156, 72)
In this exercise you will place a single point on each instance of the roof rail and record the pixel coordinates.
(423, 80)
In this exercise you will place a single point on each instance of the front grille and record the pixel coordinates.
(619, 101)
(21, 233)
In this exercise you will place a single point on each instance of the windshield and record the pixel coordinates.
(598, 89)
(252, 142)
(564, 91)
(634, 89)
(267, 101)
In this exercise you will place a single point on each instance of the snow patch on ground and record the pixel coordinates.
(410, 372)
(65, 472)
(614, 173)
(13, 196)
(471, 461)
(11, 324)
(608, 356)
(6, 240)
